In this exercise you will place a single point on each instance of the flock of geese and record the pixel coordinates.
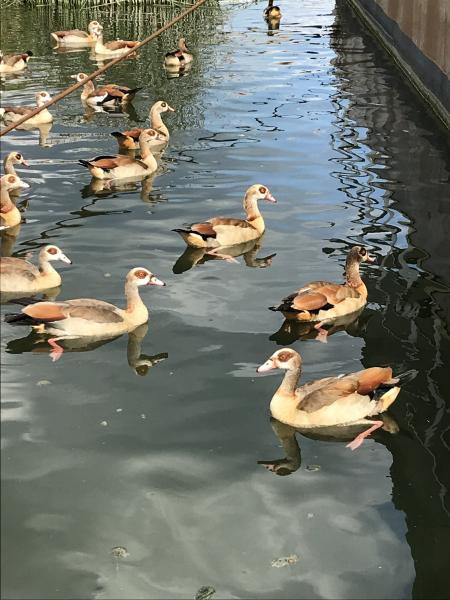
(346, 399)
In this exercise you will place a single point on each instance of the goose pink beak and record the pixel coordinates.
(269, 197)
(65, 259)
(267, 366)
(371, 259)
(155, 281)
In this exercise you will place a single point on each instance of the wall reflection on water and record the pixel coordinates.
(411, 324)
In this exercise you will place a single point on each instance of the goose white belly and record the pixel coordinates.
(349, 409)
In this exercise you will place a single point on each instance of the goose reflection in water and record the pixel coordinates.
(9, 234)
(139, 363)
(248, 250)
(24, 298)
(44, 131)
(123, 110)
(103, 188)
(272, 25)
(173, 71)
(290, 331)
(336, 433)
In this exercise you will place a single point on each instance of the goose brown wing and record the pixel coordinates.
(18, 110)
(119, 44)
(332, 391)
(75, 32)
(95, 312)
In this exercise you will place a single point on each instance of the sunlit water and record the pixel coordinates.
(165, 465)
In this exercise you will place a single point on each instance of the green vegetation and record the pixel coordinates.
(93, 3)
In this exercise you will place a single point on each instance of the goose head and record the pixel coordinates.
(150, 135)
(259, 192)
(139, 276)
(42, 98)
(94, 26)
(359, 254)
(79, 77)
(161, 106)
(17, 158)
(51, 253)
(12, 182)
(285, 359)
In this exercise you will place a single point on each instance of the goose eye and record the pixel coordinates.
(18, 156)
(362, 252)
(262, 190)
(284, 356)
(141, 274)
(43, 94)
(52, 250)
(163, 104)
(11, 179)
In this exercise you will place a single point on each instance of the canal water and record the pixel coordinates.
(130, 468)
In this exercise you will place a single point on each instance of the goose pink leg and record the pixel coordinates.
(226, 257)
(356, 443)
(321, 333)
(57, 349)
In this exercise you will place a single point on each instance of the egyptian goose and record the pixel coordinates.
(119, 166)
(111, 49)
(178, 58)
(88, 317)
(322, 301)
(9, 213)
(106, 95)
(129, 140)
(271, 11)
(18, 275)
(76, 37)
(12, 63)
(11, 159)
(14, 113)
(222, 232)
(340, 400)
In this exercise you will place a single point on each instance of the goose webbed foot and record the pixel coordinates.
(359, 439)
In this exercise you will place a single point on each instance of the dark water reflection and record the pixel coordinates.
(165, 465)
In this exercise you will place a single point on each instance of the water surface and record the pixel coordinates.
(165, 465)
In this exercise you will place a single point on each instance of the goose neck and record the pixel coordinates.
(290, 381)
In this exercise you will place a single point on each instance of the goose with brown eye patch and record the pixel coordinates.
(272, 12)
(11, 159)
(179, 58)
(323, 302)
(129, 140)
(9, 213)
(339, 400)
(88, 317)
(220, 232)
(117, 166)
(76, 38)
(110, 94)
(22, 277)
(13, 63)
(111, 49)
(10, 114)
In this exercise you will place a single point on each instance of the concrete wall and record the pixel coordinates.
(417, 34)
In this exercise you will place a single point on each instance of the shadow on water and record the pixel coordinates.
(412, 323)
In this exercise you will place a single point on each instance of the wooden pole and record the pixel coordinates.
(95, 74)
